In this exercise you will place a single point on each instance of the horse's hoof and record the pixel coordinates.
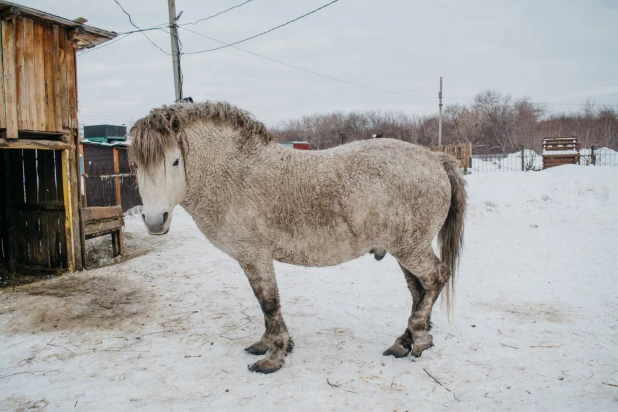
(419, 347)
(397, 351)
(258, 348)
(265, 366)
(378, 253)
(290, 347)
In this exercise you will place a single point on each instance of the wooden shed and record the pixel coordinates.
(39, 212)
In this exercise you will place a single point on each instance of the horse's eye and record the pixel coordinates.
(175, 163)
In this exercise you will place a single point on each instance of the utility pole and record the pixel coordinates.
(440, 119)
(175, 49)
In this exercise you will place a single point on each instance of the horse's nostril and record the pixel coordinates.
(165, 215)
(143, 217)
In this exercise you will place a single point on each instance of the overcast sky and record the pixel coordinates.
(557, 51)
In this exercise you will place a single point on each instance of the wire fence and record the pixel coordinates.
(528, 160)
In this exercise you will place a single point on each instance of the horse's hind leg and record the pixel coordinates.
(430, 274)
(276, 342)
(403, 344)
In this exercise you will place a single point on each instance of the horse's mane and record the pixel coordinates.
(164, 127)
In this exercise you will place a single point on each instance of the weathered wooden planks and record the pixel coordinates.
(460, 151)
(48, 60)
(32, 144)
(20, 75)
(9, 77)
(57, 61)
(71, 84)
(101, 213)
(30, 88)
(39, 77)
(39, 81)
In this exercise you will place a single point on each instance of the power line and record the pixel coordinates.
(104, 45)
(122, 98)
(354, 83)
(215, 15)
(139, 30)
(260, 34)
(309, 71)
(185, 24)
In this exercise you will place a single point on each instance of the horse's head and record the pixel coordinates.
(162, 186)
(158, 152)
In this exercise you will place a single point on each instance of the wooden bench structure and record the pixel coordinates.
(559, 151)
(100, 221)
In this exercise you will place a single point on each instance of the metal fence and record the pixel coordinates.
(529, 160)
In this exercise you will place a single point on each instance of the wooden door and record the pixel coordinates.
(36, 211)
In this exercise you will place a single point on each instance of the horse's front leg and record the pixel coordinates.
(275, 342)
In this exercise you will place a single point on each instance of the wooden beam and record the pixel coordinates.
(32, 144)
(9, 13)
(39, 77)
(10, 246)
(117, 178)
(75, 203)
(76, 32)
(101, 213)
(96, 228)
(68, 210)
(71, 85)
(49, 69)
(10, 82)
(30, 74)
(20, 75)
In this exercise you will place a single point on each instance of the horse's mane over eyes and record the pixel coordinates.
(164, 127)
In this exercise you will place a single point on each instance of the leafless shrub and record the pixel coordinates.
(493, 123)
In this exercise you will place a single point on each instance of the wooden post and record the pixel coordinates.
(117, 178)
(68, 210)
(9, 225)
(74, 180)
(440, 115)
(175, 49)
(523, 161)
(593, 157)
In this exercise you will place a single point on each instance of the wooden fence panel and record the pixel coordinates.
(460, 151)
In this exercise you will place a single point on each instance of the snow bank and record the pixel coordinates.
(565, 186)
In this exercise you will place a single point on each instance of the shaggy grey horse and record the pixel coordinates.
(259, 201)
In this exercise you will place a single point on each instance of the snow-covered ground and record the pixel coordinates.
(535, 326)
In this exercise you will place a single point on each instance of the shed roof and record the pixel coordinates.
(114, 143)
(85, 36)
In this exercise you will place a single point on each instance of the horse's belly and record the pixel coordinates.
(327, 252)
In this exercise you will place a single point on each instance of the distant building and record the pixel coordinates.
(106, 174)
(297, 144)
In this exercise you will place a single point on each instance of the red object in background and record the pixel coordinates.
(301, 146)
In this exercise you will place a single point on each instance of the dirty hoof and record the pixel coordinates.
(265, 366)
(258, 348)
(290, 346)
(420, 344)
(378, 253)
(397, 350)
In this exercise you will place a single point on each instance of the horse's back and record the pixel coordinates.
(334, 205)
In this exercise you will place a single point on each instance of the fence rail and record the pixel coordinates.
(528, 160)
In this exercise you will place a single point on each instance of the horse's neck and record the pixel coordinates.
(215, 168)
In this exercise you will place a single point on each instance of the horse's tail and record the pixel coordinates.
(451, 234)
